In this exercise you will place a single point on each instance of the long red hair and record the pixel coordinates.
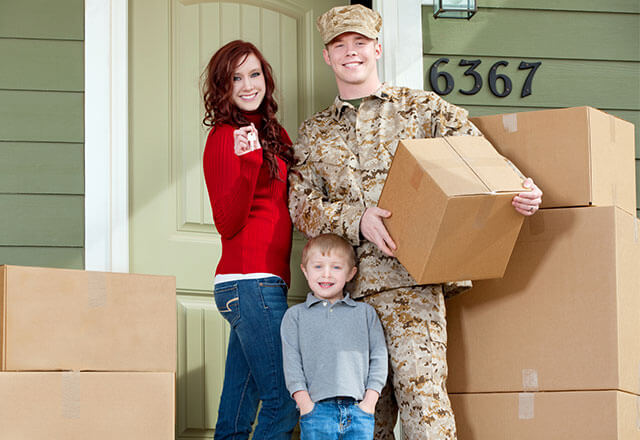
(219, 108)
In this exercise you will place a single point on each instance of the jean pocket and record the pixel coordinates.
(227, 302)
(307, 415)
(368, 414)
(273, 295)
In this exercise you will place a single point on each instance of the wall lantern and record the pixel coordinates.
(454, 8)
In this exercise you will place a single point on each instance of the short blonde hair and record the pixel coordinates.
(326, 243)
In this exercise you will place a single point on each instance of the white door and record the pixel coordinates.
(171, 226)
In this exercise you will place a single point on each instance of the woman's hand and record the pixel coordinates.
(245, 140)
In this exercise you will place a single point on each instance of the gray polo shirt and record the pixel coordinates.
(334, 349)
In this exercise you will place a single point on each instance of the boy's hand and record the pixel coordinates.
(304, 402)
(368, 404)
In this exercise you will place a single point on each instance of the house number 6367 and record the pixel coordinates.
(494, 76)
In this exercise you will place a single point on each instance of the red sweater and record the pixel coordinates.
(249, 207)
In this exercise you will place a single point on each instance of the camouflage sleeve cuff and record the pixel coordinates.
(454, 288)
(352, 224)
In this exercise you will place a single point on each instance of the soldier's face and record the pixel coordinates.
(327, 274)
(353, 57)
(248, 84)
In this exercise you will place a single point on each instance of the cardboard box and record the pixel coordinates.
(81, 406)
(577, 156)
(566, 315)
(575, 415)
(450, 200)
(58, 319)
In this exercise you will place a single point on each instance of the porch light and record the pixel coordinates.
(454, 8)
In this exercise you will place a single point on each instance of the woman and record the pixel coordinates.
(246, 160)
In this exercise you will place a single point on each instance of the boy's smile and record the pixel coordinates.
(327, 274)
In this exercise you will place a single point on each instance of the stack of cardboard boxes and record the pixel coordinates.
(86, 355)
(552, 350)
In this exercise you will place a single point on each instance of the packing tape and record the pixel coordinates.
(526, 406)
(638, 412)
(96, 289)
(530, 380)
(510, 122)
(484, 212)
(71, 395)
(637, 233)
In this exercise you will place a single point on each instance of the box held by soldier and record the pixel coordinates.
(579, 156)
(450, 200)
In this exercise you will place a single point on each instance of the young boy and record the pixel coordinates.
(335, 357)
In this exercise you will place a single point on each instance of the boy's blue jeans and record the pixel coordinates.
(339, 418)
(253, 371)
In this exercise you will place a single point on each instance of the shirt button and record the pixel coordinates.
(331, 310)
(324, 304)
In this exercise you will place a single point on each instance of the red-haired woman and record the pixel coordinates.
(246, 159)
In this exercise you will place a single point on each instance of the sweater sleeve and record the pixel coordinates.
(378, 361)
(291, 356)
(231, 180)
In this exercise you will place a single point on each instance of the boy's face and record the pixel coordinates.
(327, 274)
(353, 58)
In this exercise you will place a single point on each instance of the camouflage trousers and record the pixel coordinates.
(414, 323)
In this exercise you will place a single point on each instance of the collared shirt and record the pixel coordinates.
(343, 156)
(333, 350)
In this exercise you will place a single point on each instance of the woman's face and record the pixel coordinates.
(248, 84)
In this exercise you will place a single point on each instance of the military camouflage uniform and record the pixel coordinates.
(343, 156)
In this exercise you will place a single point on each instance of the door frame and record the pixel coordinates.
(106, 113)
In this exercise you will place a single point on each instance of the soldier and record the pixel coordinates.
(343, 155)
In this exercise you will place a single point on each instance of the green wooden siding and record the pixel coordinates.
(589, 49)
(42, 133)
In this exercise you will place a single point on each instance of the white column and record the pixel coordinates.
(106, 136)
(401, 37)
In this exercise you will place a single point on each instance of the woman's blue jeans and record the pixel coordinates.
(253, 370)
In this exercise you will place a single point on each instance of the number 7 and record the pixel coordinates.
(526, 88)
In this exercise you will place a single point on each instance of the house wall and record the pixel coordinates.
(41, 133)
(589, 49)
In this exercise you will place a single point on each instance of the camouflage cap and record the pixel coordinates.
(353, 18)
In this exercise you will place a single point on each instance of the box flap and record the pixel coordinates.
(449, 171)
(550, 146)
(495, 171)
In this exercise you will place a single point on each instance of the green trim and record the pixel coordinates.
(49, 19)
(42, 65)
(557, 83)
(536, 34)
(41, 168)
(41, 220)
(64, 257)
(41, 116)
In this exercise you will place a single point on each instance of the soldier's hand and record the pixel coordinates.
(372, 228)
(527, 203)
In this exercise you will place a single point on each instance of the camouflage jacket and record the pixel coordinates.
(343, 156)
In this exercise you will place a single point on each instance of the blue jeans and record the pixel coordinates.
(253, 370)
(336, 419)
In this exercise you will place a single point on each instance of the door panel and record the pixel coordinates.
(171, 226)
